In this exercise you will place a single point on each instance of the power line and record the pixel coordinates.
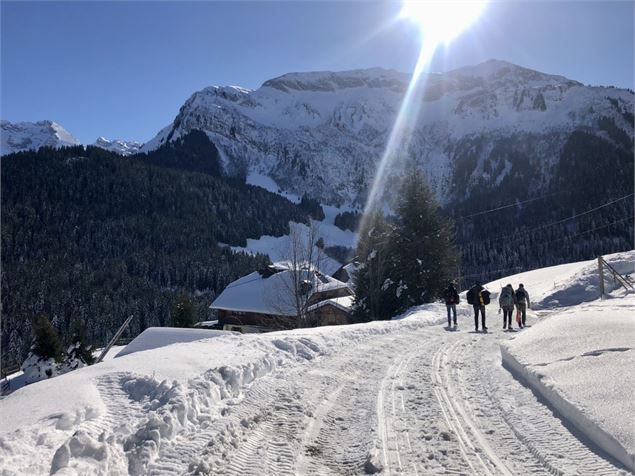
(627, 219)
(510, 205)
(515, 236)
(519, 268)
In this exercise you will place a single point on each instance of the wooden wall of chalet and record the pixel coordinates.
(270, 321)
(330, 315)
(334, 293)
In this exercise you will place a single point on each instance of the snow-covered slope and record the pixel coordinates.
(323, 133)
(580, 358)
(403, 396)
(123, 147)
(19, 136)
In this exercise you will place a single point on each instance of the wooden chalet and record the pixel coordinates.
(263, 301)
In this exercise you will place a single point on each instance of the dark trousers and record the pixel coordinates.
(508, 311)
(477, 308)
(451, 307)
(522, 308)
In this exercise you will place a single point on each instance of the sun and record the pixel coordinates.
(441, 21)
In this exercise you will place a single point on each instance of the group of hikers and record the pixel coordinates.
(479, 297)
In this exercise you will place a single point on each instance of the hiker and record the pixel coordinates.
(451, 296)
(522, 304)
(506, 301)
(478, 297)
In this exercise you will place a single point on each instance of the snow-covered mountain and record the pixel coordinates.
(122, 147)
(19, 136)
(323, 133)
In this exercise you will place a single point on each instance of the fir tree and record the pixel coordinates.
(80, 353)
(183, 313)
(425, 259)
(46, 342)
(405, 263)
(374, 288)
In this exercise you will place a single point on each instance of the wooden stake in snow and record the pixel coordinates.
(601, 273)
(114, 339)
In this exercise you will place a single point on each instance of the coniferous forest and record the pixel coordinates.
(585, 211)
(91, 236)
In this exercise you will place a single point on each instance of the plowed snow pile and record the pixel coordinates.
(581, 358)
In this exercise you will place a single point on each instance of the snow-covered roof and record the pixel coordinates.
(155, 337)
(345, 303)
(269, 291)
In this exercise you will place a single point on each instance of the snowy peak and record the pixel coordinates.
(119, 146)
(497, 72)
(328, 81)
(20, 136)
(323, 133)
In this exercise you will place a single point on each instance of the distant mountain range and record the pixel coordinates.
(21, 136)
(323, 133)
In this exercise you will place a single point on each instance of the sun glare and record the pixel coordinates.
(440, 21)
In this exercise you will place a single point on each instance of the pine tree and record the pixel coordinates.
(80, 353)
(183, 313)
(46, 351)
(425, 259)
(46, 342)
(404, 262)
(374, 288)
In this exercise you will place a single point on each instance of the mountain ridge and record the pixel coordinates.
(323, 133)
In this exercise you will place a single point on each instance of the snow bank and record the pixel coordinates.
(581, 361)
(155, 337)
(114, 417)
(567, 284)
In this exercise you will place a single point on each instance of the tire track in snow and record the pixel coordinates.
(469, 452)
(532, 437)
(418, 401)
(345, 441)
(390, 452)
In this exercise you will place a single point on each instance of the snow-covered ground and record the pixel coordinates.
(406, 396)
(580, 358)
(277, 247)
(155, 337)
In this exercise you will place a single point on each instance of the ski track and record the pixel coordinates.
(419, 402)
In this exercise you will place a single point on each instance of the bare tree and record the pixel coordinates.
(303, 261)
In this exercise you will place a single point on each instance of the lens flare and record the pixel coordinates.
(439, 22)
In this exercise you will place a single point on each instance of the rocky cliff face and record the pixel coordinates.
(323, 133)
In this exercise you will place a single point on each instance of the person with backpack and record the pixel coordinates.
(506, 301)
(522, 304)
(478, 297)
(451, 296)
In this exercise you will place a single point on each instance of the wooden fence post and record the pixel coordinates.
(601, 273)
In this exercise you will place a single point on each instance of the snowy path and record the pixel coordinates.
(405, 398)
(422, 402)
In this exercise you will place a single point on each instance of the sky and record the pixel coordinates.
(123, 69)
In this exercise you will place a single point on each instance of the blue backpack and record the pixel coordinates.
(507, 297)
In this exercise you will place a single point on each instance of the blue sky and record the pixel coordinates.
(123, 69)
